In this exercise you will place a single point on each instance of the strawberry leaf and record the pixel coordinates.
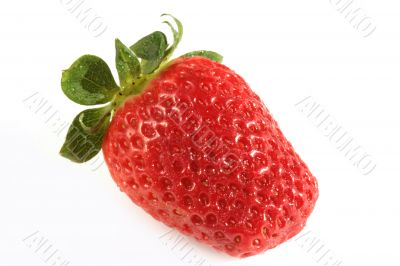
(85, 135)
(207, 54)
(128, 65)
(151, 49)
(89, 81)
(177, 34)
(151, 46)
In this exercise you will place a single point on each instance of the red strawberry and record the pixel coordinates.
(196, 148)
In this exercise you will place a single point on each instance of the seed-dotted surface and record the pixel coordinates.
(199, 151)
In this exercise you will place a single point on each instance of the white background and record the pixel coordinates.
(286, 50)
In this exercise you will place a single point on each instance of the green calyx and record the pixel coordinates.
(89, 81)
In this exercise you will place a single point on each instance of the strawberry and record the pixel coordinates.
(189, 142)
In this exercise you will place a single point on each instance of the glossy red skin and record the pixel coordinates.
(241, 188)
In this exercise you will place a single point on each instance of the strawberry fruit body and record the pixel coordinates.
(196, 148)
